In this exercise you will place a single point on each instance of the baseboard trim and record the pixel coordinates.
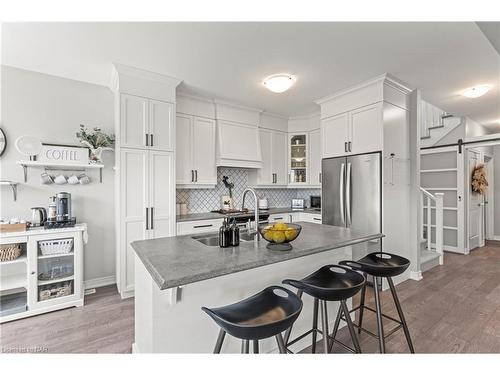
(496, 238)
(101, 281)
(416, 275)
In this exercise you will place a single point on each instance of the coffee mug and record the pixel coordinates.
(46, 178)
(73, 180)
(83, 179)
(60, 180)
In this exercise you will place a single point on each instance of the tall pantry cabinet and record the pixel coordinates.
(145, 164)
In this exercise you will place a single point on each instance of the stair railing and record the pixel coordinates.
(431, 201)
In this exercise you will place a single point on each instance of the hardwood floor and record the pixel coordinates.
(454, 309)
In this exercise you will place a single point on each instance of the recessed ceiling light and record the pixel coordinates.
(279, 83)
(476, 91)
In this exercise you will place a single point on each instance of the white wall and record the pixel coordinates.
(497, 190)
(52, 109)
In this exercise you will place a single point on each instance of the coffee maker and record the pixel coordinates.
(63, 207)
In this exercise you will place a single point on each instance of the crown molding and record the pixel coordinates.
(385, 78)
(195, 97)
(236, 105)
(305, 117)
(130, 71)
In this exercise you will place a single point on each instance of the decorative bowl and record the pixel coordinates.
(279, 235)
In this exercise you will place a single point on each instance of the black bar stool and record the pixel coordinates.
(265, 314)
(381, 265)
(329, 283)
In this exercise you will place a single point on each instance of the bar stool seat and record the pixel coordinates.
(265, 314)
(380, 264)
(329, 283)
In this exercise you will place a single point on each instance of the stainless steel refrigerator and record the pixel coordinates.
(352, 194)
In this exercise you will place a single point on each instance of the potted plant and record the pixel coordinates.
(96, 141)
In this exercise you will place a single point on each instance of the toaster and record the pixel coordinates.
(298, 204)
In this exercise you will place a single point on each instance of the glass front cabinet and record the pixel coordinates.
(55, 268)
(298, 159)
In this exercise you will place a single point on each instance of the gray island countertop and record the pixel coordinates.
(181, 260)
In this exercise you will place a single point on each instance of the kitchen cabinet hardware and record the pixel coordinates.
(195, 175)
(203, 226)
(278, 218)
(147, 139)
(151, 143)
(147, 218)
(350, 146)
(320, 177)
(317, 218)
(345, 146)
(192, 175)
(152, 218)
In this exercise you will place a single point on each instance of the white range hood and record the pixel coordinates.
(238, 141)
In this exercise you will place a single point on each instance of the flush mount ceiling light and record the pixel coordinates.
(279, 83)
(476, 91)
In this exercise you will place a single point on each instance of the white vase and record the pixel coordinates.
(95, 155)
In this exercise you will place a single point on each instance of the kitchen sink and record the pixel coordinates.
(212, 240)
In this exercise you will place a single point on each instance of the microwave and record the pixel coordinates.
(315, 201)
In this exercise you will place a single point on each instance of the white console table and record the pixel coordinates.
(24, 287)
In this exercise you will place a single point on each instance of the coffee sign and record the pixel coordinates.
(63, 154)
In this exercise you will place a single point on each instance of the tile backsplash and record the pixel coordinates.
(205, 200)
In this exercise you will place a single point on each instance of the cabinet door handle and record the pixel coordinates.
(320, 177)
(152, 220)
(350, 146)
(278, 218)
(345, 146)
(192, 175)
(147, 218)
(203, 226)
(147, 139)
(151, 135)
(196, 175)
(316, 218)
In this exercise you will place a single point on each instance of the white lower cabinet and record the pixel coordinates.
(146, 207)
(310, 217)
(47, 276)
(198, 226)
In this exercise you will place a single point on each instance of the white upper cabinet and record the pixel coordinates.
(195, 159)
(298, 159)
(146, 123)
(161, 125)
(133, 121)
(315, 157)
(274, 162)
(335, 133)
(354, 132)
(366, 129)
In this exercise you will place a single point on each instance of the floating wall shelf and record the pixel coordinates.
(13, 186)
(58, 166)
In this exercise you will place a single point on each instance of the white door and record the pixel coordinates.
(366, 129)
(265, 174)
(134, 203)
(475, 217)
(184, 149)
(204, 151)
(133, 121)
(161, 195)
(315, 157)
(161, 129)
(279, 148)
(335, 135)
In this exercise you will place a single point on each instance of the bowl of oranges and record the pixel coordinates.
(279, 235)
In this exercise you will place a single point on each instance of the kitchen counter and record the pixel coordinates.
(176, 276)
(215, 215)
(176, 261)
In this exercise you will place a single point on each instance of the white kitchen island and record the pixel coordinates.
(176, 276)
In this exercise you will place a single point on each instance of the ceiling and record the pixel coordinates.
(229, 60)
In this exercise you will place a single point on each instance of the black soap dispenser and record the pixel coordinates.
(235, 234)
(224, 235)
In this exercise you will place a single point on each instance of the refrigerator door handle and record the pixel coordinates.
(348, 194)
(342, 168)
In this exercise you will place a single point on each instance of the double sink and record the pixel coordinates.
(210, 239)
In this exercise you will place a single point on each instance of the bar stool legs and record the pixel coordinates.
(220, 340)
(354, 337)
(380, 326)
(281, 343)
(315, 325)
(362, 305)
(256, 346)
(401, 315)
(324, 325)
